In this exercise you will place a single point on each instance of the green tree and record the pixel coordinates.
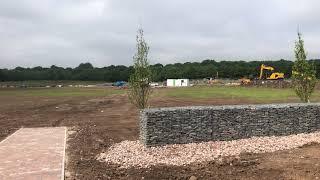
(303, 72)
(139, 81)
(2, 75)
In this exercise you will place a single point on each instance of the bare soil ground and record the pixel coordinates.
(95, 123)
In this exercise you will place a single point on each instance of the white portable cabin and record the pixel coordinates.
(177, 82)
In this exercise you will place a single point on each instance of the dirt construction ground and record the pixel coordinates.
(95, 123)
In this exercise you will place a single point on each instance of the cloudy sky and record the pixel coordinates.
(68, 32)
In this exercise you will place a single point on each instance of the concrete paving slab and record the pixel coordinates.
(33, 153)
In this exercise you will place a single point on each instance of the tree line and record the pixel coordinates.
(192, 70)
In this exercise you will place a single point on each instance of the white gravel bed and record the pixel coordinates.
(133, 154)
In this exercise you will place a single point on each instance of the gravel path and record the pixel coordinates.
(133, 154)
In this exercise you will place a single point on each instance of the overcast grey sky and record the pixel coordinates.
(68, 32)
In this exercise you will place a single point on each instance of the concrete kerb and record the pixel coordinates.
(64, 153)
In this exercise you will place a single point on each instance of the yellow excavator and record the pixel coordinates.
(273, 76)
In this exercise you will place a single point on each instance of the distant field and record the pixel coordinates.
(258, 94)
(59, 92)
(254, 94)
(48, 83)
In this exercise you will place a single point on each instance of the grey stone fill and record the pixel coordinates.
(177, 125)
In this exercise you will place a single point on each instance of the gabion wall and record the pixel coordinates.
(161, 126)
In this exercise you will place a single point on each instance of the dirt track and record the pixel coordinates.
(96, 123)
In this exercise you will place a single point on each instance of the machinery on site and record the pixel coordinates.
(273, 76)
(303, 75)
(119, 83)
(211, 81)
(267, 77)
(244, 81)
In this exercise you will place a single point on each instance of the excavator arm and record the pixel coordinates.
(264, 67)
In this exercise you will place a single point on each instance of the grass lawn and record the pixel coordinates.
(258, 94)
(59, 92)
(43, 83)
